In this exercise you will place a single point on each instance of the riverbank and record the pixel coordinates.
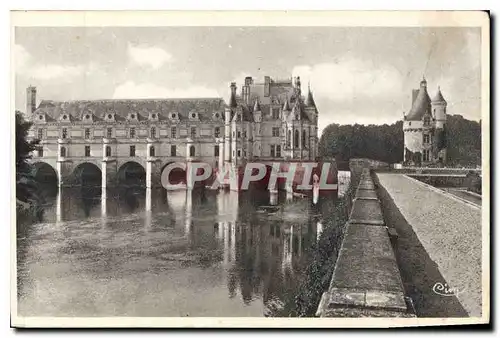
(322, 258)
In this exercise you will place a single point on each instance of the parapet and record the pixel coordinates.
(366, 281)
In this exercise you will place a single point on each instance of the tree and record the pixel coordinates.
(25, 182)
(385, 143)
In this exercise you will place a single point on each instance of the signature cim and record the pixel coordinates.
(445, 290)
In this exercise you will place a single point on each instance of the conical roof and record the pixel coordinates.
(421, 105)
(286, 107)
(438, 97)
(310, 100)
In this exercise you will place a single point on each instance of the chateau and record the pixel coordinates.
(424, 129)
(267, 121)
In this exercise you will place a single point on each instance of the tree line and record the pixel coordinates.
(386, 142)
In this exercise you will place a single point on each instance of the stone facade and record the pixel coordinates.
(424, 129)
(269, 121)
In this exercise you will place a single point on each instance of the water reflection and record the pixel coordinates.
(143, 252)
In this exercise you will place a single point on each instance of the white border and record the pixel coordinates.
(280, 18)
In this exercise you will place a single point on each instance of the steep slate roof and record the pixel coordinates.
(421, 105)
(142, 107)
(438, 97)
(310, 100)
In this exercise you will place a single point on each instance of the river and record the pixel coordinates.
(139, 252)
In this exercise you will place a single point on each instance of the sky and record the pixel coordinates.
(357, 74)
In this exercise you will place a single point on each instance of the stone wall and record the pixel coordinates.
(366, 280)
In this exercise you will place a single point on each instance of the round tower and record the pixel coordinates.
(439, 109)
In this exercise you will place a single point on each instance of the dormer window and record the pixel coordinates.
(427, 120)
(110, 117)
(132, 117)
(65, 117)
(174, 116)
(87, 117)
(153, 116)
(40, 117)
(193, 115)
(216, 116)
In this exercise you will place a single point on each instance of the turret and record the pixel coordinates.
(310, 100)
(439, 109)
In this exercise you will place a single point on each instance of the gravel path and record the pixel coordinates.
(448, 229)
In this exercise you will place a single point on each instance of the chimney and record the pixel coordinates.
(232, 99)
(267, 86)
(30, 100)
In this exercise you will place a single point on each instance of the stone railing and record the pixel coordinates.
(366, 280)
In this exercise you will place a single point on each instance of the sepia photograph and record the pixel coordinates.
(250, 169)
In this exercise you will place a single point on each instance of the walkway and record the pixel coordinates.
(439, 242)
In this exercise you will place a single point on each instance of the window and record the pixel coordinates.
(426, 155)
(278, 150)
(426, 138)
(40, 134)
(62, 152)
(108, 151)
(239, 152)
(289, 139)
(217, 132)
(173, 132)
(244, 133)
(132, 133)
(276, 131)
(87, 133)
(64, 132)
(216, 151)
(234, 153)
(152, 151)
(275, 113)
(191, 151)
(87, 151)
(153, 132)
(193, 132)
(109, 132)
(303, 138)
(273, 150)
(40, 152)
(296, 139)
(173, 150)
(132, 150)
(239, 134)
(427, 120)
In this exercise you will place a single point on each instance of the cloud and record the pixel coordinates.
(21, 56)
(26, 67)
(349, 79)
(132, 90)
(153, 57)
(51, 71)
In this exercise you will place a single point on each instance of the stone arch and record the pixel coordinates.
(44, 172)
(131, 173)
(87, 174)
(45, 179)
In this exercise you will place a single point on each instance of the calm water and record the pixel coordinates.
(152, 253)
